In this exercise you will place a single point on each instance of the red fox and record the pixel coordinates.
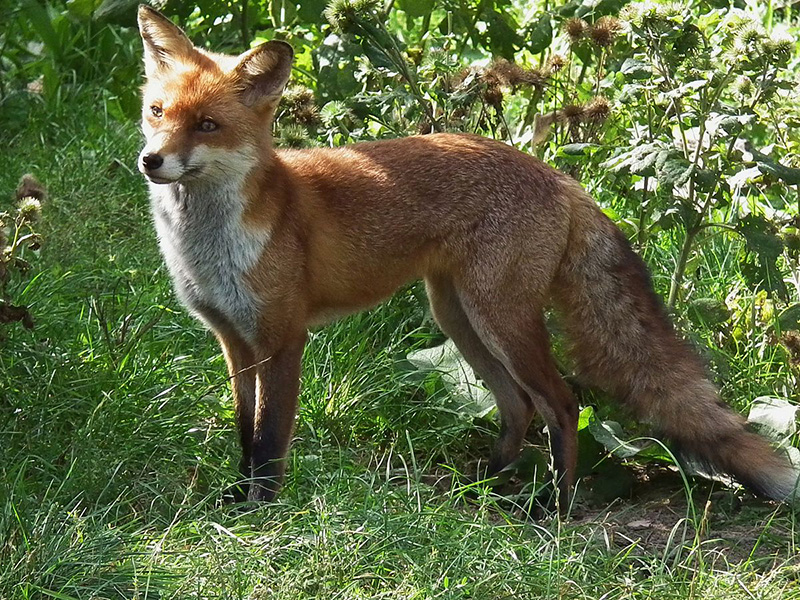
(262, 244)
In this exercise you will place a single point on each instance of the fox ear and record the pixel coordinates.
(164, 42)
(264, 72)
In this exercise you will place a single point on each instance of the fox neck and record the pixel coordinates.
(209, 246)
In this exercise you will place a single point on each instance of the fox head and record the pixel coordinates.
(206, 117)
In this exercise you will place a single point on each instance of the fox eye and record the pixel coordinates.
(207, 125)
(157, 111)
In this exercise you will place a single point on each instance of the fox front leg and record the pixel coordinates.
(277, 387)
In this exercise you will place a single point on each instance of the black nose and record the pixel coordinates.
(152, 161)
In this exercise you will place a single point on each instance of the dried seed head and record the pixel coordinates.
(424, 128)
(605, 31)
(30, 186)
(791, 341)
(299, 104)
(555, 63)
(505, 73)
(792, 242)
(493, 96)
(575, 29)
(598, 110)
(572, 113)
(296, 96)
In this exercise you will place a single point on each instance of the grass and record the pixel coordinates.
(117, 440)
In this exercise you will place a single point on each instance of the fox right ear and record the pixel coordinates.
(164, 42)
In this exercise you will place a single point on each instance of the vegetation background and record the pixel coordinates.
(116, 428)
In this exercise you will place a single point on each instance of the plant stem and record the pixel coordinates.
(244, 27)
(680, 267)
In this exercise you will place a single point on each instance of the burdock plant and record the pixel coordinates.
(364, 22)
(18, 239)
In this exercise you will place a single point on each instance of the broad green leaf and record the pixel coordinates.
(416, 8)
(540, 35)
(312, 11)
(775, 417)
(763, 273)
(639, 159)
(673, 170)
(502, 30)
(789, 319)
(457, 376)
(767, 164)
(578, 149)
(117, 11)
(634, 68)
(710, 311)
(40, 19)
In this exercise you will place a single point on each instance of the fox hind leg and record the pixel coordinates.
(513, 331)
(515, 407)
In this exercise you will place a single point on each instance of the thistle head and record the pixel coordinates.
(604, 32)
(575, 28)
(344, 15)
(572, 113)
(293, 136)
(597, 111)
(555, 63)
(29, 209)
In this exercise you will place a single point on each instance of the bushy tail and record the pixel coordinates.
(624, 343)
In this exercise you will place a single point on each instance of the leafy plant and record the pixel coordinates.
(18, 239)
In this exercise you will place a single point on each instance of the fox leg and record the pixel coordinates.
(277, 387)
(241, 369)
(515, 407)
(514, 332)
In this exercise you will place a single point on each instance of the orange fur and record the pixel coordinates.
(288, 240)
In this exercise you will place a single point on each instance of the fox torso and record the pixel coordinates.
(209, 251)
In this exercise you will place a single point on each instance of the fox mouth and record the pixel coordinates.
(187, 175)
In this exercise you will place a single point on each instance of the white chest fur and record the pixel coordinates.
(209, 251)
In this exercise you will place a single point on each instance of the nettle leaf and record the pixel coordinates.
(767, 247)
(710, 311)
(775, 418)
(577, 149)
(673, 170)
(416, 8)
(502, 29)
(633, 69)
(458, 377)
(531, 466)
(540, 35)
(789, 319)
(610, 435)
(767, 164)
(638, 160)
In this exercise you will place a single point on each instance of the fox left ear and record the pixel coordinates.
(264, 72)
